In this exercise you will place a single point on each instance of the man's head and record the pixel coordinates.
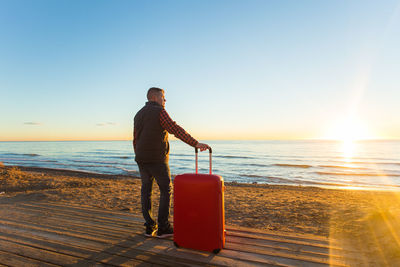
(157, 95)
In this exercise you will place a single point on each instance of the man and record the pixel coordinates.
(150, 142)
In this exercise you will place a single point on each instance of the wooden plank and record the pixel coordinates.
(36, 253)
(54, 237)
(61, 229)
(279, 239)
(282, 236)
(67, 226)
(46, 244)
(55, 230)
(154, 256)
(84, 253)
(74, 224)
(85, 208)
(128, 217)
(164, 247)
(277, 233)
(122, 217)
(33, 217)
(82, 217)
(79, 220)
(296, 240)
(234, 231)
(286, 246)
(10, 259)
(114, 214)
(150, 245)
(313, 251)
(129, 257)
(268, 259)
(250, 257)
(93, 257)
(306, 258)
(243, 241)
(71, 226)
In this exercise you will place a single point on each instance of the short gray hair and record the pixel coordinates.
(153, 91)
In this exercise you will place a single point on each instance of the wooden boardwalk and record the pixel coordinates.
(54, 234)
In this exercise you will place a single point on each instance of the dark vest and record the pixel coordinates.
(151, 139)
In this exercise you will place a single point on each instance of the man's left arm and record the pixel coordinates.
(173, 128)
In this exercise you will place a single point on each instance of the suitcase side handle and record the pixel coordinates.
(197, 159)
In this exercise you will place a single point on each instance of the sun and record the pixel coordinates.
(348, 131)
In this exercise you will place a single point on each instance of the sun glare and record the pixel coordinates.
(348, 148)
(348, 131)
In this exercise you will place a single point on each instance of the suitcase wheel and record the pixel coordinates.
(216, 251)
(176, 244)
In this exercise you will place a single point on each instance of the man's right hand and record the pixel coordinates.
(202, 146)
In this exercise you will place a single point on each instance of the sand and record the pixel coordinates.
(367, 220)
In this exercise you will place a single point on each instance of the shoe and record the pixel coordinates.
(150, 230)
(165, 232)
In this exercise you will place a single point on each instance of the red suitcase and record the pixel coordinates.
(199, 217)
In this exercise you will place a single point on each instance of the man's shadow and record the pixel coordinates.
(139, 250)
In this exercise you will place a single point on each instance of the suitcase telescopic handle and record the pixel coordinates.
(197, 159)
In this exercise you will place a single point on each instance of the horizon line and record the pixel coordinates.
(211, 139)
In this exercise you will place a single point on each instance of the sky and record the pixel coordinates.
(80, 70)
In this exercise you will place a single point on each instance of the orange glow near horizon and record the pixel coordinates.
(347, 132)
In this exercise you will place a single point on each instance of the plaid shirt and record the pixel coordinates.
(170, 126)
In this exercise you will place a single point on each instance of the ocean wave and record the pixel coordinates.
(97, 154)
(357, 174)
(304, 166)
(122, 157)
(26, 159)
(265, 179)
(22, 154)
(257, 165)
(368, 162)
(342, 167)
(280, 180)
(100, 162)
(186, 160)
(233, 157)
(90, 166)
(252, 176)
(126, 170)
(31, 155)
(181, 155)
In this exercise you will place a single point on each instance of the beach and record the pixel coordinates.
(364, 220)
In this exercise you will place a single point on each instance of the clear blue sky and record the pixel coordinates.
(79, 70)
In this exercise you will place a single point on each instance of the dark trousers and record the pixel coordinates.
(159, 172)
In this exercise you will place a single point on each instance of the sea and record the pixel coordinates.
(355, 165)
